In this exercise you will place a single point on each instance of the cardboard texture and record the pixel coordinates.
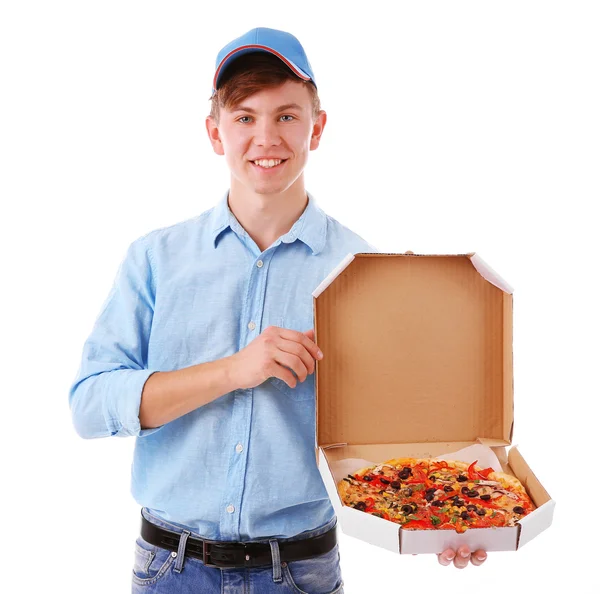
(418, 362)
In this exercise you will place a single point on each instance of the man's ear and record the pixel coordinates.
(318, 128)
(213, 135)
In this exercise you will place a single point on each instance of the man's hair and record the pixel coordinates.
(251, 73)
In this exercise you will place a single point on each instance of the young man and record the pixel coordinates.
(204, 350)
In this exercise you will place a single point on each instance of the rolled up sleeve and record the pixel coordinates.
(105, 396)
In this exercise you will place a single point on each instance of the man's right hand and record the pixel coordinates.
(271, 353)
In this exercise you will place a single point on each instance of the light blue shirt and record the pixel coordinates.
(243, 466)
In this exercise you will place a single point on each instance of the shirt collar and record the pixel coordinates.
(310, 228)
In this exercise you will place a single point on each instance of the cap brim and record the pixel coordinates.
(245, 49)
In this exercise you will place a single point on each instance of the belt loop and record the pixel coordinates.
(181, 551)
(276, 560)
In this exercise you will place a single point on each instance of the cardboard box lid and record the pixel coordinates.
(417, 348)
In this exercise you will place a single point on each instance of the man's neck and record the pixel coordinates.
(266, 217)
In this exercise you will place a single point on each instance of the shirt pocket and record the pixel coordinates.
(304, 390)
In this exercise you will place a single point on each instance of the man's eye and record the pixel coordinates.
(283, 116)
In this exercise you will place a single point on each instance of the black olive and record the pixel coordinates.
(486, 497)
(408, 492)
(377, 514)
(437, 503)
(471, 507)
(429, 497)
(431, 490)
(415, 507)
(462, 478)
(448, 488)
(350, 476)
(480, 512)
(367, 478)
(405, 473)
(459, 503)
(384, 481)
(433, 477)
(473, 493)
(464, 515)
(407, 509)
(395, 484)
(360, 505)
(518, 509)
(465, 490)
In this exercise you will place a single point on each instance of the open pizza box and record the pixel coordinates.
(418, 363)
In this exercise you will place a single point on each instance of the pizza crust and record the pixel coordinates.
(402, 462)
(343, 488)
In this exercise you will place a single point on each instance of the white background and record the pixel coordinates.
(453, 127)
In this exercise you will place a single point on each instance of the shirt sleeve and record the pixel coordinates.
(105, 397)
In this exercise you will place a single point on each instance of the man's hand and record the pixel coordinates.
(462, 556)
(271, 353)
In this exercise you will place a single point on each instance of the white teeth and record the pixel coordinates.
(268, 162)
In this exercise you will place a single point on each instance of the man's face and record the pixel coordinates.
(271, 124)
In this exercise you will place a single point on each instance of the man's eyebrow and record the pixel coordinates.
(280, 108)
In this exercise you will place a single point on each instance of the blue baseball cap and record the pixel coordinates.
(279, 43)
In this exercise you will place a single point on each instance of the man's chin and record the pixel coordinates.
(268, 189)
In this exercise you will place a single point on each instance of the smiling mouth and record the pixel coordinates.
(273, 168)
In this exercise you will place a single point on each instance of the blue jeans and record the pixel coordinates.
(159, 570)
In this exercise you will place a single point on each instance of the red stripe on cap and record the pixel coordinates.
(264, 47)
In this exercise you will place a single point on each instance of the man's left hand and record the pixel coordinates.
(462, 556)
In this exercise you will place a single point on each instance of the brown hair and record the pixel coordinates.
(251, 73)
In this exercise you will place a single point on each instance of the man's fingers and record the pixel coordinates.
(293, 362)
(478, 557)
(310, 333)
(304, 340)
(284, 374)
(294, 348)
(463, 555)
(446, 557)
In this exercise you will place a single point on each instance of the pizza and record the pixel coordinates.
(430, 494)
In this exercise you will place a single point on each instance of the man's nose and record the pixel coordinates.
(266, 133)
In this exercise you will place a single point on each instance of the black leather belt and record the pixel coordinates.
(219, 553)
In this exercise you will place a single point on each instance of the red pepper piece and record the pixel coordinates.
(478, 474)
(437, 465)
(417, 524)
(471, 471)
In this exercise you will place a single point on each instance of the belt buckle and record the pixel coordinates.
(207, 555)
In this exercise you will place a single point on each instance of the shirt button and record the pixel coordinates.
(259, 263)
(230, 508)
(251, 325)
(239, 447)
